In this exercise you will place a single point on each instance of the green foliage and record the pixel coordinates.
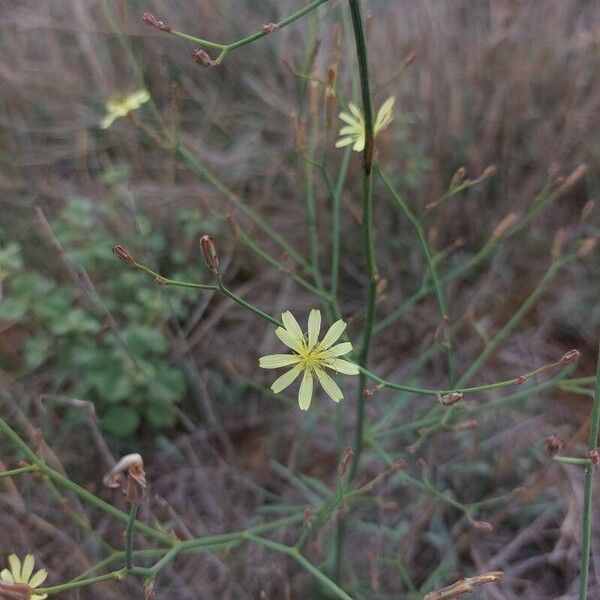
(127, 370)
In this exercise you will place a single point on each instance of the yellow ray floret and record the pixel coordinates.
(310, 357)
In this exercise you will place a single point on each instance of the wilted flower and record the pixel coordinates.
(21, 573)
(354, 131)
(130, 476)
(310, 357)
(122, 106)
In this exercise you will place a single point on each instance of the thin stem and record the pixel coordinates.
(372, 275)
(336, 222)
(19, 471)
(572, 460)
(114, 575)
(65, 482)
(129, 536)
(586, 531)
(429, 257)
(220, 287)
(303, 562)
(251, 38)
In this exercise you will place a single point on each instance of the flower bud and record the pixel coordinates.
(521, 379)
(347, 457)
(509, 220)
(553, 445)
(210, 253)
(587, 247)
(569, 357)
(451, 398)
(482, 526)
(458, 178)
(594, 456)
(124, 255)
(151, 20)
(203, 58)
(268, 28)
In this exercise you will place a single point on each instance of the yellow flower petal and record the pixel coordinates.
(38, 578)
(6, 575)
(286, 379)
(359, 146)
(337, 350)
(344, 142)
(384, 115)
(288, 339)
(348, 118)
(275, 361)
(343, 366)
(27, 568)
(329, 385)
(305, 392)
(292, 325)
(15, 567)
(314, 327)
(333, 334)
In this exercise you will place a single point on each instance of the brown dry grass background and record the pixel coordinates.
(507, 83)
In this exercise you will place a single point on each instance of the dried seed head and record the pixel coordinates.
(558, 244)
(203, 58)
(587, 209)
(149, 589)
(451, 398)
(587, 247)
(347, 457)
(574, 178)
(308, 517)
(209, 252)
(15, 591)
(553, 445)
(458, 178)
(268, 28)
(569, 357)
(151, 20)
(594, 456)
(464, 586)
(124, 255)
(130, 476)
(509, 220)
(482, 526)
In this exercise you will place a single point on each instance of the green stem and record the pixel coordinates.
(255, 36)
(372, 275)
(114, 575)
(586, 530)
(65, 482)
(129, 536)
(336, 223)
(572, 460)
(303, 562)
(220, 287)
(426, 248)
(19, 471)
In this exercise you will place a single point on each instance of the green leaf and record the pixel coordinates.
(37, 351)
(160, 415)
(121, 421)
(143, 340)
(12, 308)
(169, 384)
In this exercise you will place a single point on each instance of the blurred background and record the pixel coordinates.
(97, 361)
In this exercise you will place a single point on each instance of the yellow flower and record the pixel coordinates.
(354, 131)
(122, 106)
(310, 357)
(23, 574)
